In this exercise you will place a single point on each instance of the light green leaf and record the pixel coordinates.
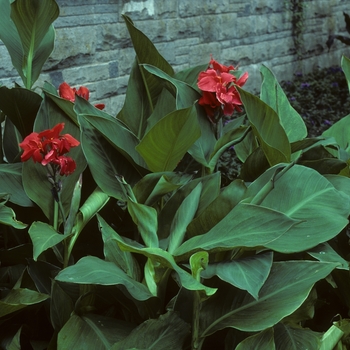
(246, 225)
(296, 338)
(345, 64)
(91, 332)
(146, 220)
(279, 297)
(15, 343)
(167, 142)
(92, 270)
(325, 253)
(301, 194)
(267, 128)
(273, 95)
(262, 341)
(184, 93)
(8, 217)
(248, 273)
(340, 131)
(43, 237)
(18, 299)
(167, 332)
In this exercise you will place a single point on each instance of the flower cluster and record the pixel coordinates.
(49, 147)
(68, 93)
(219, 95)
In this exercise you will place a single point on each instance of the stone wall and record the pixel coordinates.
(93, 47)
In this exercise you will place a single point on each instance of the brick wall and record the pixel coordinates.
(93, 46)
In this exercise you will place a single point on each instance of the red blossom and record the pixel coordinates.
(68, 93)
(219, 94)
(49, 147)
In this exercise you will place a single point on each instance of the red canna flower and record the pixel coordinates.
(49, 147)
(68, 93)
(219, 95)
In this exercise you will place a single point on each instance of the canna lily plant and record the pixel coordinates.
(121, 233)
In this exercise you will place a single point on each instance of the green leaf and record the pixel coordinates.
(273, 95)
(146, 52)
(300, 194)
(21, 106)
(113, 252)
(164, 259)
(246, 225)
(92, 270)
(325, 253)
(262, 341)
(199, 263)
(183, 216)
(43, 237)
(167, 142)
(146, 220)
(248, 273)
(267, 128)
(15, 343)
(345, 64)
(11, 184)
(106, 161)
(167, 332)
(190, 75)
(18, 299)
(341, 132)
(295, 338)
(91, 332)
(11, 140)
(184, 93)
(8, 217)
(136, 109)
(33, 20)
(279, 297)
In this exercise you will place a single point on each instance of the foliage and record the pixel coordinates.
(145, 245)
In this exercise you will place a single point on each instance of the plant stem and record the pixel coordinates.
(196, 344)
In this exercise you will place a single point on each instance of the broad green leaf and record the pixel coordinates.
(146, 52)
(167, 332)
(246, 147)
(136, 109)
(246, 225)
(92, 332)
(184, 93)
(43, 237)
(146, 220)
(166, 143)
(106, 161)
(15, 343)
(164, 259)
(35, 181)
(198, 263)
(267, 128)
(248, 273)
(21, 106)
(262, 341)
(325, 253)
(341, 132)
(190, 75)
(18, 299)
(273, 95)
(92, 270)
(345, 64)
(226, 200)
(341, 183)
(305, 193)
(10, 142)
(11, 183)
(33, 19)
(114, 254)
(8, 217)
(154, 185)
(183, 216)
(296, 338)
(279, 297)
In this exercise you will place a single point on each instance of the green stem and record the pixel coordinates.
(196, 343)
(55, 226)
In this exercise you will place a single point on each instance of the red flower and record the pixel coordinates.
(68, 93)
(49, 147)
(218, 89)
